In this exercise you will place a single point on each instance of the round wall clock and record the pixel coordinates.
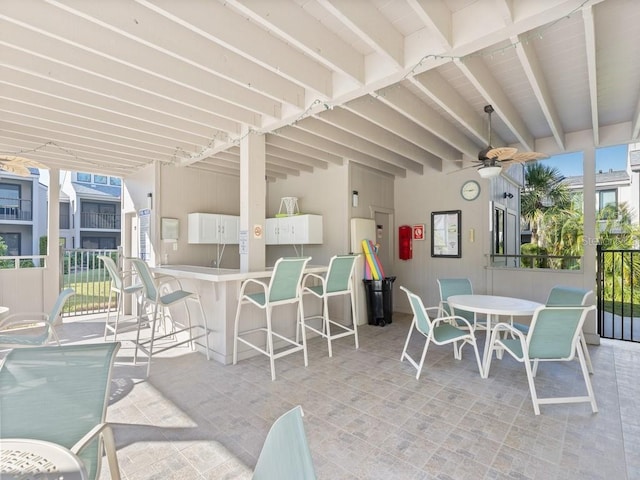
(470, 190)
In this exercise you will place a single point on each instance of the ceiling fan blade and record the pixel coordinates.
(15, 169)
(524, 157)
(25, 162)
(502, 153)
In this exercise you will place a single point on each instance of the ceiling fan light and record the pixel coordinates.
(489, 172)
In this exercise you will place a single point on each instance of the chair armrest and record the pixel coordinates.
(312, 276)
(103, 429)
(454, 320)
(23, 318)
(250, 281)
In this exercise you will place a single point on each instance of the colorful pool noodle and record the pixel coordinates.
(372, 260)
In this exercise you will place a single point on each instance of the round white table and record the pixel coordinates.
(492, 305)
(22, 458)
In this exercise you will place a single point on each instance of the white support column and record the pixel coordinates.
(252, 201)
(590, 328)
(51, 275)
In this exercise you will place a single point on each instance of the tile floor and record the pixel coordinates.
(366, 415)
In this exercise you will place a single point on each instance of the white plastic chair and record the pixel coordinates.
(338, 281)
(33, 329)
(120, 289)
(445, 330)
(158, 301)
(457, 286)
(553, 336)
(284, 288)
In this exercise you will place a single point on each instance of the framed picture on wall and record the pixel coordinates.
(446, 234)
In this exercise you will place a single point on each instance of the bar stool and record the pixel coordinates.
(284, 288)
(337, 281)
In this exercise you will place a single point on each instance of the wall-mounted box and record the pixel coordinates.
(214, 228)
(294, 230)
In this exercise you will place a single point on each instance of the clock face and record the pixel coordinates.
(470, 190)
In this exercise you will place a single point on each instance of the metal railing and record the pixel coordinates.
(85, 273)
(618, 290)
(16, 209)
(550, 262)
(105, 221)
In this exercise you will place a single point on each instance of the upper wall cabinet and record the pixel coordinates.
(214, 228)
(296, 229)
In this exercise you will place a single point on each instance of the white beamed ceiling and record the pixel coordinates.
(110, 86)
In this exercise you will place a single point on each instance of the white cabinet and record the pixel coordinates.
(214, 228)
(296, 229)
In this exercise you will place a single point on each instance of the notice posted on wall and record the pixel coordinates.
(244, 242)
(144, 241)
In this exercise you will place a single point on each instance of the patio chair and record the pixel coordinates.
(457, 286)
(565, 296)
(338, 281)
(445, 330)
(159, 294)
(285, 454)
(552, 337)
(30, 329)
(284, 288)
(60, 395)
(119, 287)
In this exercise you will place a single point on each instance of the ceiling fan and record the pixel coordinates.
(493, 159)
(18, 165)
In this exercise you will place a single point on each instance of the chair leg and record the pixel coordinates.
(119, 307)
(110, 451)
(326, 325)
(106, 323)
(304, 333)
(270, 344)
(424, 354)
(406, 342)
(532, 386)
(585, 349)
(587, 380)
(235, 333)
(355, 318)
(204, 325)
(153, 336)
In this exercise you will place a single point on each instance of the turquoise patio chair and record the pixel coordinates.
(566, 296)
(284, 288)
(553, 336)
(285, 454)
(60, 395)
(457, 286)
(120, 289)
(33, 329)
(441, 331)
(159, 294)
(338, 281)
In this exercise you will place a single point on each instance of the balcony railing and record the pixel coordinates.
(16, 209)
(550, 262)
(104, 221)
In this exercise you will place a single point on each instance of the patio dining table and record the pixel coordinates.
(492, 306)
(25, 458)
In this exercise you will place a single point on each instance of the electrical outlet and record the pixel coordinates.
(175, 246)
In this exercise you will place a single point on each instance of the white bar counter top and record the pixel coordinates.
(219, 290)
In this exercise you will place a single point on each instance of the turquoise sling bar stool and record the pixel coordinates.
(60, 395)
(445, 330)
(285, 454)
(33, 329)
(338, 281)
(120, 289)
(553, 336)
(158, 294)
(284, 288)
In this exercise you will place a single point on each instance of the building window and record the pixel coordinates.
(83, 177)
(607, 203)
(99, 243)
(99, 215)
(12, 241)
(9, 201)
(101, 179)
(115, 181)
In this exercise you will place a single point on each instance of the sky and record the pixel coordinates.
(570, 164)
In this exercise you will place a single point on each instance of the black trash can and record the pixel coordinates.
(379, 300)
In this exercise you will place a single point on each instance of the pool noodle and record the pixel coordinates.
(372, 260)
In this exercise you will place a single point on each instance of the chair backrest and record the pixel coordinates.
(57, 394)
(554, 331)
(146, 278)
(455, 286)
(564, 296)
(114, 272)
(285, 454)
(340, 273)
(285, 281)
(423, 322)
(56, 310)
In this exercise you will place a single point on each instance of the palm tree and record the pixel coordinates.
(544, 195)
